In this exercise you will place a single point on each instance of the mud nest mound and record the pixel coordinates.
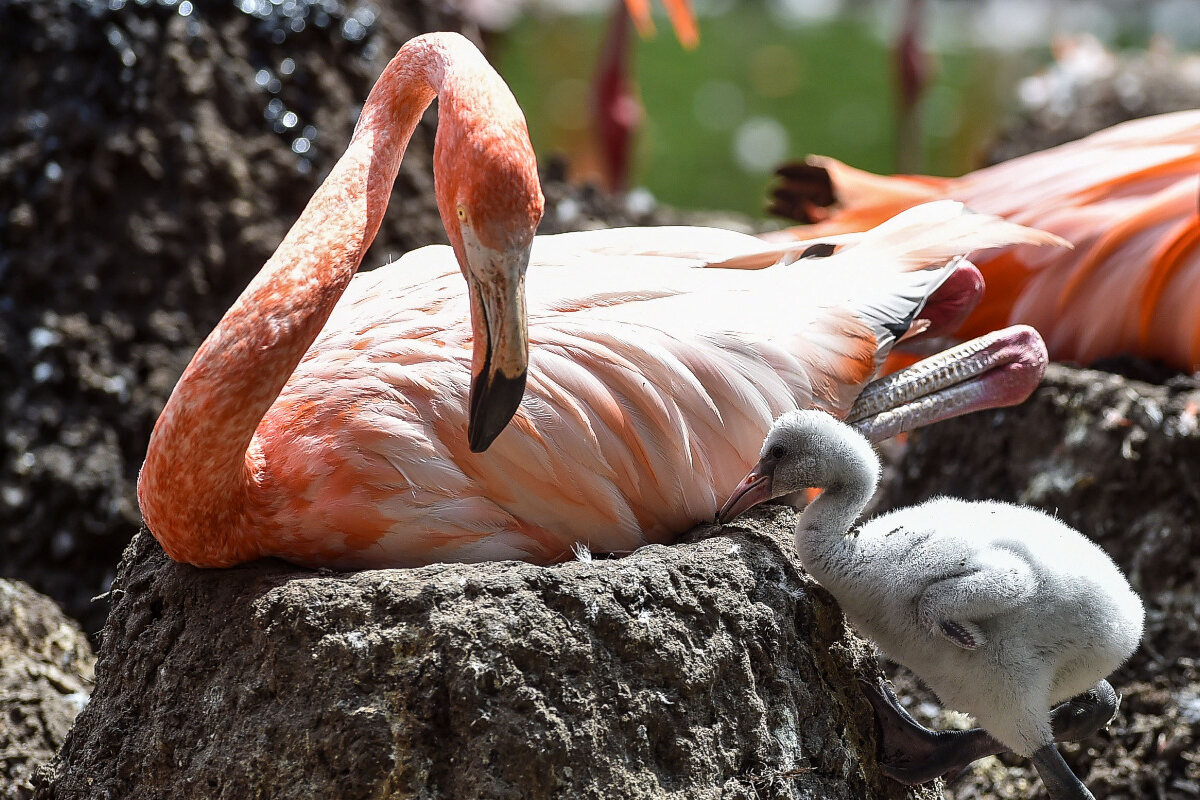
(709, 669)
(1089, 88)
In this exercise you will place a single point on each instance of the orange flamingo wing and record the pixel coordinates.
(1126, 198)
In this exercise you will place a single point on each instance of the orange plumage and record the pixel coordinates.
(1126, 198)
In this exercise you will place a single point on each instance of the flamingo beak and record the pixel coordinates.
(755, 488)
(1001, 368)
(501, 352)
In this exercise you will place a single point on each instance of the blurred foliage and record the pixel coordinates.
(770, 90)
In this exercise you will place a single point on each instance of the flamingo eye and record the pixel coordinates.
(777, 451)
(462, 213)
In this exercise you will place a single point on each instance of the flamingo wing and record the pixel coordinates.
(651, 384)
(1125, 197)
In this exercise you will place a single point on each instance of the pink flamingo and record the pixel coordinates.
(322, 420)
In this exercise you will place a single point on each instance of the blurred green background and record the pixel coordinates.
(779, 79)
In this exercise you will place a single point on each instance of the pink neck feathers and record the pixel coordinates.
(195, 488)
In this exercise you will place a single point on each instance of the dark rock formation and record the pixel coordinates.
(1119, 460)
(709, 669)
(45, 679)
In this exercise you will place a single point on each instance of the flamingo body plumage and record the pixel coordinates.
(648, 377)
(323, 420)
(1126, 198)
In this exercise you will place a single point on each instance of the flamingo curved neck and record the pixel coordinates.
(200, 471)
(822, 543)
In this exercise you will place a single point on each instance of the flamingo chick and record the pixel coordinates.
(1003, 611)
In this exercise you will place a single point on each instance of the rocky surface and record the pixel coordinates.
(1088, 88)
(147, 169)
(45, 679)
(709, 669)
(1119, 460)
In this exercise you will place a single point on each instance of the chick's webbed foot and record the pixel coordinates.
(911, 753)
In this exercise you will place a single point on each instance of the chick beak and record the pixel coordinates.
(501, 353)
(755, 488)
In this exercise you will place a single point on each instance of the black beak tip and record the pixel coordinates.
(494, 401)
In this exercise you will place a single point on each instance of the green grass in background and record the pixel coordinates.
(826, 88)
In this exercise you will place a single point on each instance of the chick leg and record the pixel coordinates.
(1060, 782)
(911, 753)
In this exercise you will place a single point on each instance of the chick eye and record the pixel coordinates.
(777, 451)
(462, 213)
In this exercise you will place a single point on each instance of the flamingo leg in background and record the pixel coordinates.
(912, 68)
(616, 111)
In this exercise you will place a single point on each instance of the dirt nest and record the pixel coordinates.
(710, 669)
(1089, 88)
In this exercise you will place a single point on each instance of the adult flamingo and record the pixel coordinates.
(650, 381)
(1125, 197)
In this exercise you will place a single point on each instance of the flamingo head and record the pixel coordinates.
(490, 199)
(804, 448)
